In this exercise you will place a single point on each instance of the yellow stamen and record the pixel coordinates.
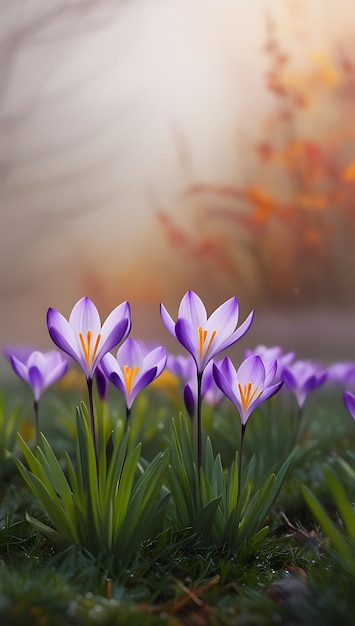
(86, 346)
(202, 336)
(246, 396)
(129, 376)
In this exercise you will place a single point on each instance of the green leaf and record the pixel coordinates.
(59, 541)
(346, 509)
(335, 537)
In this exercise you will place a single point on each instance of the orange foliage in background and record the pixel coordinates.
(293, 222)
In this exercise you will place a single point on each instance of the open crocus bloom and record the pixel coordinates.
(40, 369)
(248, 386)
(205, 337)
(83, 337)
(303, 377)
(134, 367)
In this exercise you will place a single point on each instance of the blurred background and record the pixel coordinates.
(152, 146)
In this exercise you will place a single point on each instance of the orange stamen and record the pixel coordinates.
(129, 376)
(246, 396)
(202, 336)
(86, 346)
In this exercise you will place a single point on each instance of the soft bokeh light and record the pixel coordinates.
(110, 112)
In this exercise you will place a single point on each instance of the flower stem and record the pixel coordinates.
(35, 406)
(197, 426)
(240, 459)
(128, 415)
(92, 420)
(298, 425)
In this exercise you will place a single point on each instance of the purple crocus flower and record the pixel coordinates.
(342, 372)
(246, 388)
(201, 336)
(273, 353)
(134, 367)
(204, 337)
(349, 401)
(249, 386)
(83, 337)
(303, 377)
(40, 369)
(86, 341)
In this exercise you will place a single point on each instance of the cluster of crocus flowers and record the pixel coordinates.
(204, 338)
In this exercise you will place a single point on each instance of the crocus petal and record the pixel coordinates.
(228, 370)
(84, 317)
(115, 378)
(36, 382)
(120, 331)
(187, 335)
(192, 308)
(121, 312)
(109, 365)
(56, 373)
(225, 386)
(156, 358)
(20, 369)
(167, 320)
(252, 370)
(289, 379)
(270, 372)
(271, 391)
(225, 318)
(141, 382)
(349, 401)
(63, 335)
(130, 353)
(238, 333)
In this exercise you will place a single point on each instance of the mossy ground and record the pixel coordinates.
(293, 577)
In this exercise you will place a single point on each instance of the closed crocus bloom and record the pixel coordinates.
(40, 370)
(182, 366)
(273, 353)
(101, 382)
(185, 368)
(134, 367)
(349, 401)
(248, 386)
(205, 337)
(83, 337)
(303, 377)
(343, 373)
